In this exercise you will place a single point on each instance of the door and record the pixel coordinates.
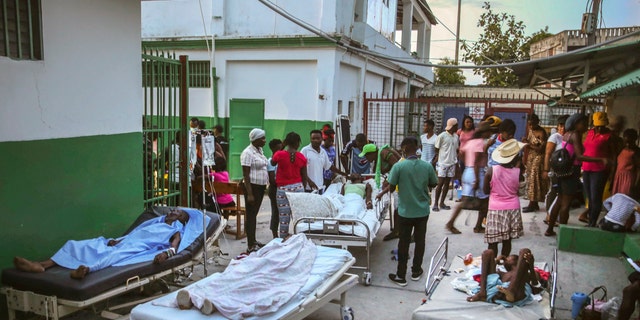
(244, 115)
(520, 118)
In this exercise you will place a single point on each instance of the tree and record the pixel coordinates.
(500, 42)
(535, 37)
(449, 75)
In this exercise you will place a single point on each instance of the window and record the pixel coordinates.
(339, 107)
(199, 74)
(20, 29)
(154, 74)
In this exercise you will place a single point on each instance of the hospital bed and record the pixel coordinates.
(54, 294)
(445, 302)
(344, 231)
(327, 282)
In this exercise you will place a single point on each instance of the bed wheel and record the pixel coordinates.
(366, 278)
(346, 313)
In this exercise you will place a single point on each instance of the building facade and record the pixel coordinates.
(273, 73)
(70, 138)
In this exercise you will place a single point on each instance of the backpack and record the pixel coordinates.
(561, 162)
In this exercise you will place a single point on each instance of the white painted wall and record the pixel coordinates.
(175, 18)
(289, 88)
(239, 18)
(381, 17)
(293, 80)
(89, 80)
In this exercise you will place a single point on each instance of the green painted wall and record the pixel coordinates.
(60, 189)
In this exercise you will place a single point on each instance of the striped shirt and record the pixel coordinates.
(428, 147)
(254, 158)
(621, 207)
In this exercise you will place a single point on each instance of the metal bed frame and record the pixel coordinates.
(53, 308)
(331, 235)
(438, 268)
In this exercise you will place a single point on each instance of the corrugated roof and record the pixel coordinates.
(630, 79)
(558, 67)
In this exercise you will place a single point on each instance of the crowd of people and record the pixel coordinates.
(494, 169)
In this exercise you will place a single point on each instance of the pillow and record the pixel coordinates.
(310, 205)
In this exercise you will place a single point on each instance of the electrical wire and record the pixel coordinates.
(348, 47)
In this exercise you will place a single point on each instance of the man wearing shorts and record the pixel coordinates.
(445, 162)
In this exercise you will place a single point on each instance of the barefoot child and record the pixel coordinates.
(510, 288)
(504, 220)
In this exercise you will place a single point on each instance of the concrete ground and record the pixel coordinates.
(385, 300)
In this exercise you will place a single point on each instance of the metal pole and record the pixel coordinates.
(458, 33)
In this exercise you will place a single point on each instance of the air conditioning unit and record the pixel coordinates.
(588, 23)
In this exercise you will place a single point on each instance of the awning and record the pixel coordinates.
(630, 79)
(599, 61)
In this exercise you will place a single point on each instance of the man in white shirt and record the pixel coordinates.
(318, 159)
(445, 161)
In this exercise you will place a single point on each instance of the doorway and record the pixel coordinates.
(244, 115)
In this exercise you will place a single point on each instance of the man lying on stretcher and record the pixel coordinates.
(160, 234)
(510, 288)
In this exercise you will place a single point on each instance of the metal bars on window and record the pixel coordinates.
(199, 75)
(21, 29)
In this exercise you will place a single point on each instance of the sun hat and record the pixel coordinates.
(450, 123)
(368, 148)
(506, 151)
(600, 119)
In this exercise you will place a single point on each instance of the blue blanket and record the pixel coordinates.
(142, 244)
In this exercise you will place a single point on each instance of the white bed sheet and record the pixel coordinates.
(328, 262)
(370, 217)
(448, 303)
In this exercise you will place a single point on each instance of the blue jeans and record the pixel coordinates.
(405, 227)
(594, 182)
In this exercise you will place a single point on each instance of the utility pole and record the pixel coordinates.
(595, 10)
(458, 34)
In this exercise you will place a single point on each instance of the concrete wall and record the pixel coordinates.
(382, 17)
(626, 104)
(83, 86)
(70, 133)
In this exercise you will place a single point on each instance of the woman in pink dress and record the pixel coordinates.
(627, 174)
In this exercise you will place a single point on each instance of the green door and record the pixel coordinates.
(244, 115)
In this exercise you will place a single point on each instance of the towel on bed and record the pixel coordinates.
(260, 283)
(142, 244)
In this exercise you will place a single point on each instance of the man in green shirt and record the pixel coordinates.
(415, 179)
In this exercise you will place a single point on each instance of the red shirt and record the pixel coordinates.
(288, 172)
(595, 145)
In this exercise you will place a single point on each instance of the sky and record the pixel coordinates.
(558, 15)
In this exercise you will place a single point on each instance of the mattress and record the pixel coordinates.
(448, 303)
(329, 262)
(56, 281)
(370, 219)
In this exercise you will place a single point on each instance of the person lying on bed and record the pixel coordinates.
(511, 288)
(357, 187)
(84, 256)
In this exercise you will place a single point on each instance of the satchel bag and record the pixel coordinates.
(593, 311)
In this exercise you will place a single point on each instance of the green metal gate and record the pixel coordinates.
(164, 128)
